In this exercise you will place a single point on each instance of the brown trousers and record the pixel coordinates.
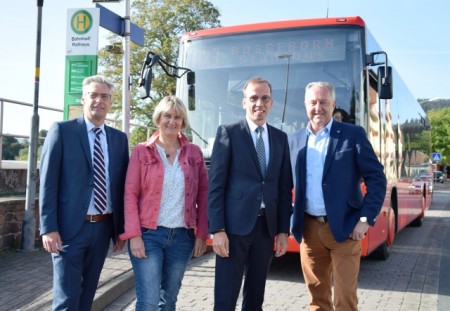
(325, 263)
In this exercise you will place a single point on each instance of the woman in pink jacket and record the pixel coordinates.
(165, 208)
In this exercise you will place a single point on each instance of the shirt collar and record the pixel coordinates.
(252, 125)
(90, 125)
(326, 129)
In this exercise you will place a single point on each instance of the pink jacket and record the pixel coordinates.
(143, 188)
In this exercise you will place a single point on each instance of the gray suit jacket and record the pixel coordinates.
(236, 184)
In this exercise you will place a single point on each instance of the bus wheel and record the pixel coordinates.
(419, 220)
(383, 251)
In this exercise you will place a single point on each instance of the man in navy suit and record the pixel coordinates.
(331, 215)
(249, 201)
(73, 230)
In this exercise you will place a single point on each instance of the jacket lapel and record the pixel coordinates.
(82, 132)
(300, 165)
(335, 134)
(248, 141)
(111, 146)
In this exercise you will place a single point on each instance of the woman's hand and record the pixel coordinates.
(137, 247)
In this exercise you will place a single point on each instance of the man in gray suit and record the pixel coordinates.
(249, 201)
(79, 216)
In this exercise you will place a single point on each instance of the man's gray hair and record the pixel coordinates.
(98, 79)
(328, 85)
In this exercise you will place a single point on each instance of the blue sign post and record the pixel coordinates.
(128, 31)
(115, 23)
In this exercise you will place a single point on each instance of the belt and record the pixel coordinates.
(262, 212)
(321, 219)
(97, 218)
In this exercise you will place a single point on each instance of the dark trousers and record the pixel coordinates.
(77, 268)
(250, 256)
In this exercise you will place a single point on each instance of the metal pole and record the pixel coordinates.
(126, 71)
(1, 132)
(288, 56)
(29, 222)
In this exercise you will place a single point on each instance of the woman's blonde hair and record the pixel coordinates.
(167, 103)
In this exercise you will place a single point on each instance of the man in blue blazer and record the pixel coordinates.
(73, 230)
(249, 201)
(331, 215)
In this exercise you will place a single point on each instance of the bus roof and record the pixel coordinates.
(355, 20)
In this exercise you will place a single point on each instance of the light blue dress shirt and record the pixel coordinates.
(315, 160)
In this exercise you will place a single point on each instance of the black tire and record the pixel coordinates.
(417, 222)
(382, 252)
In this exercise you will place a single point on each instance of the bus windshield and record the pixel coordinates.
(288, 58)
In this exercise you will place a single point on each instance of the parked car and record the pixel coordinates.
(418, 183)
(438, 176)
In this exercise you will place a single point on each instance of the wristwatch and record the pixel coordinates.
(217, 231)
(363, 219)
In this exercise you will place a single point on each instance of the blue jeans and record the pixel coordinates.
(158, 277)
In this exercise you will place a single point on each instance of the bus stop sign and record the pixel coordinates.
(436, 157)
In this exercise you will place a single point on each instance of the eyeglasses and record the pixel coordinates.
(265, 99)
(93, 95)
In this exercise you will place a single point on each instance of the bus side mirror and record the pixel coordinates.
(145, 83)
(385, 82)
(145, 80)
(191, 90)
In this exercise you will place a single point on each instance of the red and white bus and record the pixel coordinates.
(290, 54)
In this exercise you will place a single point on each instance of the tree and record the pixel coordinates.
(11, 148)
(164, 21)
(23, 152)
(440, 132)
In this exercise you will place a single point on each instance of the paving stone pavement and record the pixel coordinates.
(415, 277)
(26, 280)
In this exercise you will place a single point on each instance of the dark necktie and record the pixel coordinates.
(99, 174)
(260, 150)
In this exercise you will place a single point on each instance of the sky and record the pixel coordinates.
(414, 33)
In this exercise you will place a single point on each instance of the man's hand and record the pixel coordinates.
(118, 246)
(52, 242)
(359, 231)
(221, 244)
(281, 244)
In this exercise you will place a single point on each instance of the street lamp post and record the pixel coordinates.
(288, 56)
(29, 222)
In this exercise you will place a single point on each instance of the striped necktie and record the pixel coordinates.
(260, 150)
(99, 174)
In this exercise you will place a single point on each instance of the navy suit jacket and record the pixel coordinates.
(236, 184)
(350, 158)
(66, 177)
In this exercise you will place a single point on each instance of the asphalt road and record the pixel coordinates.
(415, 277)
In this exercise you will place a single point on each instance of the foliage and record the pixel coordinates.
(164, 21)
(440, 132)
(23, 152)
(11, 148)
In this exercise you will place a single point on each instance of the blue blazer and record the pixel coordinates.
(350, 158)
(236, 184)
(66, 181)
